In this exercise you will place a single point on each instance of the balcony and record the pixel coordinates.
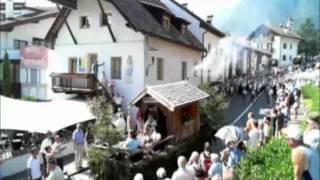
(74, 83)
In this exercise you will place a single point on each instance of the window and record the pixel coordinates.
(72, 65)
(34, 76)
(284, 57)
(183, 28)
(92, 59)
(209, 75)
(166, 23)
(116, 67)
(184, 71)
(2, 6)
(84, 22)
(195, 70)
(105, 19)
(284, 45)
(160, 69)
(290, 46)
(2, 16)
(38, 42)
(209, 47)
(18, 44)
(269, 46)
(18, 6)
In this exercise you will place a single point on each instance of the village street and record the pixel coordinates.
(240, 107)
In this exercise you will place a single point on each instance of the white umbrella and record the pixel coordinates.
(233, 133)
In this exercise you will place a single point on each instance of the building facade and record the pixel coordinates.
(281, 41)
(22, 34)
(135, 44)
(207, 34)
(15, 8)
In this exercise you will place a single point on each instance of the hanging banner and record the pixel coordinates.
(34, 57)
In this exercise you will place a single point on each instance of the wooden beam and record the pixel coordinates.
(108, 25)
(68, 27)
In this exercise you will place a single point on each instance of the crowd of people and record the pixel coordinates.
(52, 155)
(284, 98)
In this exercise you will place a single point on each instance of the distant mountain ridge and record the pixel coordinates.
(249, 14)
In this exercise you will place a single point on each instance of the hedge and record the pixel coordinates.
(271, 162)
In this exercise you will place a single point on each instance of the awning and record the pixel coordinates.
(42, 116)
(172, 95)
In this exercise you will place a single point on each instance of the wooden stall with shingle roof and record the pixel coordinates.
(175, 106)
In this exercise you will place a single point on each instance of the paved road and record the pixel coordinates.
(240, 106)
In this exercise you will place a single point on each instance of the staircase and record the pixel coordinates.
(56, 26)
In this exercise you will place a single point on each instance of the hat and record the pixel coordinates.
(294, 132)
(78, 125)
(314, 116)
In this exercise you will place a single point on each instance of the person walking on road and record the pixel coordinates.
(78, 141)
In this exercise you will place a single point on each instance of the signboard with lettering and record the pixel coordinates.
(34, 57)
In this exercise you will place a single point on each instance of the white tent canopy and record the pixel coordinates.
(41, 116)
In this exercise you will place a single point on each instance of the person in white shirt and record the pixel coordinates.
(33, 165)
(55, 173)
(57, 149)
(254, 136)
(151, 122)
(194, 164)
(182, 173)
(45, 143)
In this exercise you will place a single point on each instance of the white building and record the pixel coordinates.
(210, 37)
(136, 43)
(15, 8)
(20, 34)
(282, 42)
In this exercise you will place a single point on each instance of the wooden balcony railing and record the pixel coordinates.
(74, 83)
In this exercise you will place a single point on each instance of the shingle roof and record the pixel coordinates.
(275, 30)
(282, 32)
(141, 20)
(203, 23)
(156, 3)
(173, 95)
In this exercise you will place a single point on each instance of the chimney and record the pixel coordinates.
(185, 5)
(209, 19)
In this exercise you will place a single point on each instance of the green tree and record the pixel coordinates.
(103, 160)
(6, 75)
(214, 107)
(310, 45)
